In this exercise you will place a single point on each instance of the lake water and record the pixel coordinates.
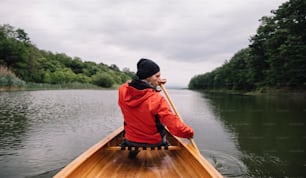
(242, 136)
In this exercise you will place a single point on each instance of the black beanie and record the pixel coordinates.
(146, 68)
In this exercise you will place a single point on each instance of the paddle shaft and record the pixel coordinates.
(176, 112)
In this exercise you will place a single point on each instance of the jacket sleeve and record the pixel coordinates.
(171, 121)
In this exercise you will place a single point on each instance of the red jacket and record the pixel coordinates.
(139, 108)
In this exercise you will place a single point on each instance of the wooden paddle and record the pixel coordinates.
(176, 112)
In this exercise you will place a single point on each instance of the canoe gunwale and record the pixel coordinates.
(66, 171)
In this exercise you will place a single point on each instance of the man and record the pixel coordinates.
(146, 111)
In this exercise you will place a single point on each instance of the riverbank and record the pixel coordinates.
(261, 91)
(44, 86)
(75, 85)
(2, 88)
(269, 91)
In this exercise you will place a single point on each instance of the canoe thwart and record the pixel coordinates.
(132, 148)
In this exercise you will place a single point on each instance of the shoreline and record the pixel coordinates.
(266, 91)
(78, 86)
(42, 86)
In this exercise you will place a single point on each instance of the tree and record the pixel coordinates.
(22, 36)
(280, 46)
(34, 65)
(114, 67)
(276, 56)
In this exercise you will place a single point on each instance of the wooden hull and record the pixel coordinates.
(103, 160)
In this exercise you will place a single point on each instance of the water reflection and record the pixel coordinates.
(213, 139)
(42, 131)
(13, 121)
(268, 130)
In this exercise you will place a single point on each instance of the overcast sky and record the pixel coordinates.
(185, 38)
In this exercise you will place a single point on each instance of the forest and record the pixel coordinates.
(21, 62)
(274, 59)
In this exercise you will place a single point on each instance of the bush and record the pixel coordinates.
(103, 80)
(8, 78)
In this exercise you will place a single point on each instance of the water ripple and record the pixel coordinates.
(226, 164)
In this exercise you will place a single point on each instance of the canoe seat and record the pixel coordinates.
(132, 148)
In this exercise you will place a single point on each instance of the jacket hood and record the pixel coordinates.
(134, 97)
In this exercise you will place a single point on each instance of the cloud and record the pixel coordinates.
(191, 37)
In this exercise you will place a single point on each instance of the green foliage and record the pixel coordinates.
(74, 85)
(63, 75)
(280, 46)
(103, 80)
(130, 74)
(232, 75)
(39, 66)
(114, 67)
(276, 56)
(8, 78)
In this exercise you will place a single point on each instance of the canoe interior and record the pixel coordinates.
(98, 161)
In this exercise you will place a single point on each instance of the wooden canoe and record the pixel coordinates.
(105, 159)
